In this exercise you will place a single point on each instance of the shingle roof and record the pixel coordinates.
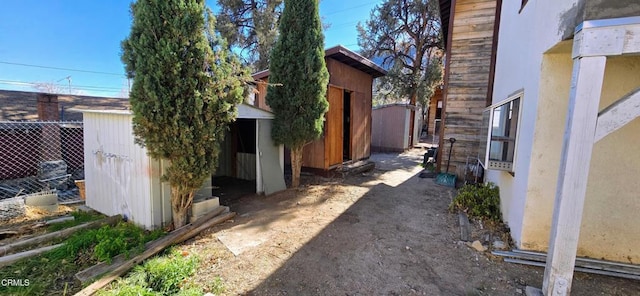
(20, 105)
(345, 56)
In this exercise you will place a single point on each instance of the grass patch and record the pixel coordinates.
(163, 275)
(80, 217)
(52, 273)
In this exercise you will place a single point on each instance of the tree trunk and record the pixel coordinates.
(181, 200)
(296, 166)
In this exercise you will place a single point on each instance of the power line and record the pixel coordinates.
(73, 87)
(350, 8)
(63, 69)
(61, 85)
(342, 25)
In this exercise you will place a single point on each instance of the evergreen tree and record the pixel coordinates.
(251, 26)
(297, 62)
(407, 36)
(185, 88)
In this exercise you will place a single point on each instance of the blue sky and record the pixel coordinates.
(86, 35)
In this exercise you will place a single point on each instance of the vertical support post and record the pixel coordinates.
(50, 149)
(259, 184)
(586, 87)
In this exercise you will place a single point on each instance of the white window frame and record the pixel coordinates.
(509, 166)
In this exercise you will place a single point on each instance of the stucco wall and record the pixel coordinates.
(610, 220)
(539, 63)
(514, 73)
(553, 100)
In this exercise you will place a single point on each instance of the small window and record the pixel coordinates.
(501, 122)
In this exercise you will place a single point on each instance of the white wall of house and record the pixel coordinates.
(532, 58)
(523, 38)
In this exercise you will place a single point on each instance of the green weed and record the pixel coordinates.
(53, 272)
(163, 275)
(479, 201)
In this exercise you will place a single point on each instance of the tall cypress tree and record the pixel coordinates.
(297, 62)
(185, 88)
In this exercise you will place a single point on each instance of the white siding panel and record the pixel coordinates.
(225, 167)
(246, 166)
(119, 174)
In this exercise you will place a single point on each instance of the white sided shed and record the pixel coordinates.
(120, 178)
(391, 131)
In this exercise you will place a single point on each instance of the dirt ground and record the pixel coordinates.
(386, 232)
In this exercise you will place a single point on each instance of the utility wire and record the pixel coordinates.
(73, 87)
(61, 85)
(64, 69)
(350, 8)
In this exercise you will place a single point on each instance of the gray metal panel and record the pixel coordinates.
(272, 174)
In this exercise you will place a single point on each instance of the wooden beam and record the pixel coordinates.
(607, 38)
(618, 114)
(177, 236)
(58, 234)
(586, 87)
(6, 260)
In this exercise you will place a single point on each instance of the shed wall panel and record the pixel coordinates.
(360, 84)
(334, 126)
(360, 126)
(246, 166)
(117, 169)
(390, 128)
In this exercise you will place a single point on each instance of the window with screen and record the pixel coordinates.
(501, 121)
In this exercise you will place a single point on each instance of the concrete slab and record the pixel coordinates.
(194, 218)
(239, 240)
(200, 208)
(46, 201)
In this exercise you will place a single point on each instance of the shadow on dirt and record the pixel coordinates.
(395, 239)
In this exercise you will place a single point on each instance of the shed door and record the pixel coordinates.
(333, 134)
(269, 155)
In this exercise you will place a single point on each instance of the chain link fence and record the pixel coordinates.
(40, 157)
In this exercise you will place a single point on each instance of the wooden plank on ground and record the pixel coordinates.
(177, 236)
(6, 260)
(104, 267)
(57, 235)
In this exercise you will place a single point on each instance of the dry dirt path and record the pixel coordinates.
(386, 232)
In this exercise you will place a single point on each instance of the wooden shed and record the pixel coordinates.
(347, 130)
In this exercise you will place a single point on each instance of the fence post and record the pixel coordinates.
(50, 140)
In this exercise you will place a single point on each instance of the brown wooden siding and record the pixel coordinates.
(433, 107)
(261, 96)
(360, 85)
(333, 127)
(360, 126)
(468, 80)
(327, 151)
